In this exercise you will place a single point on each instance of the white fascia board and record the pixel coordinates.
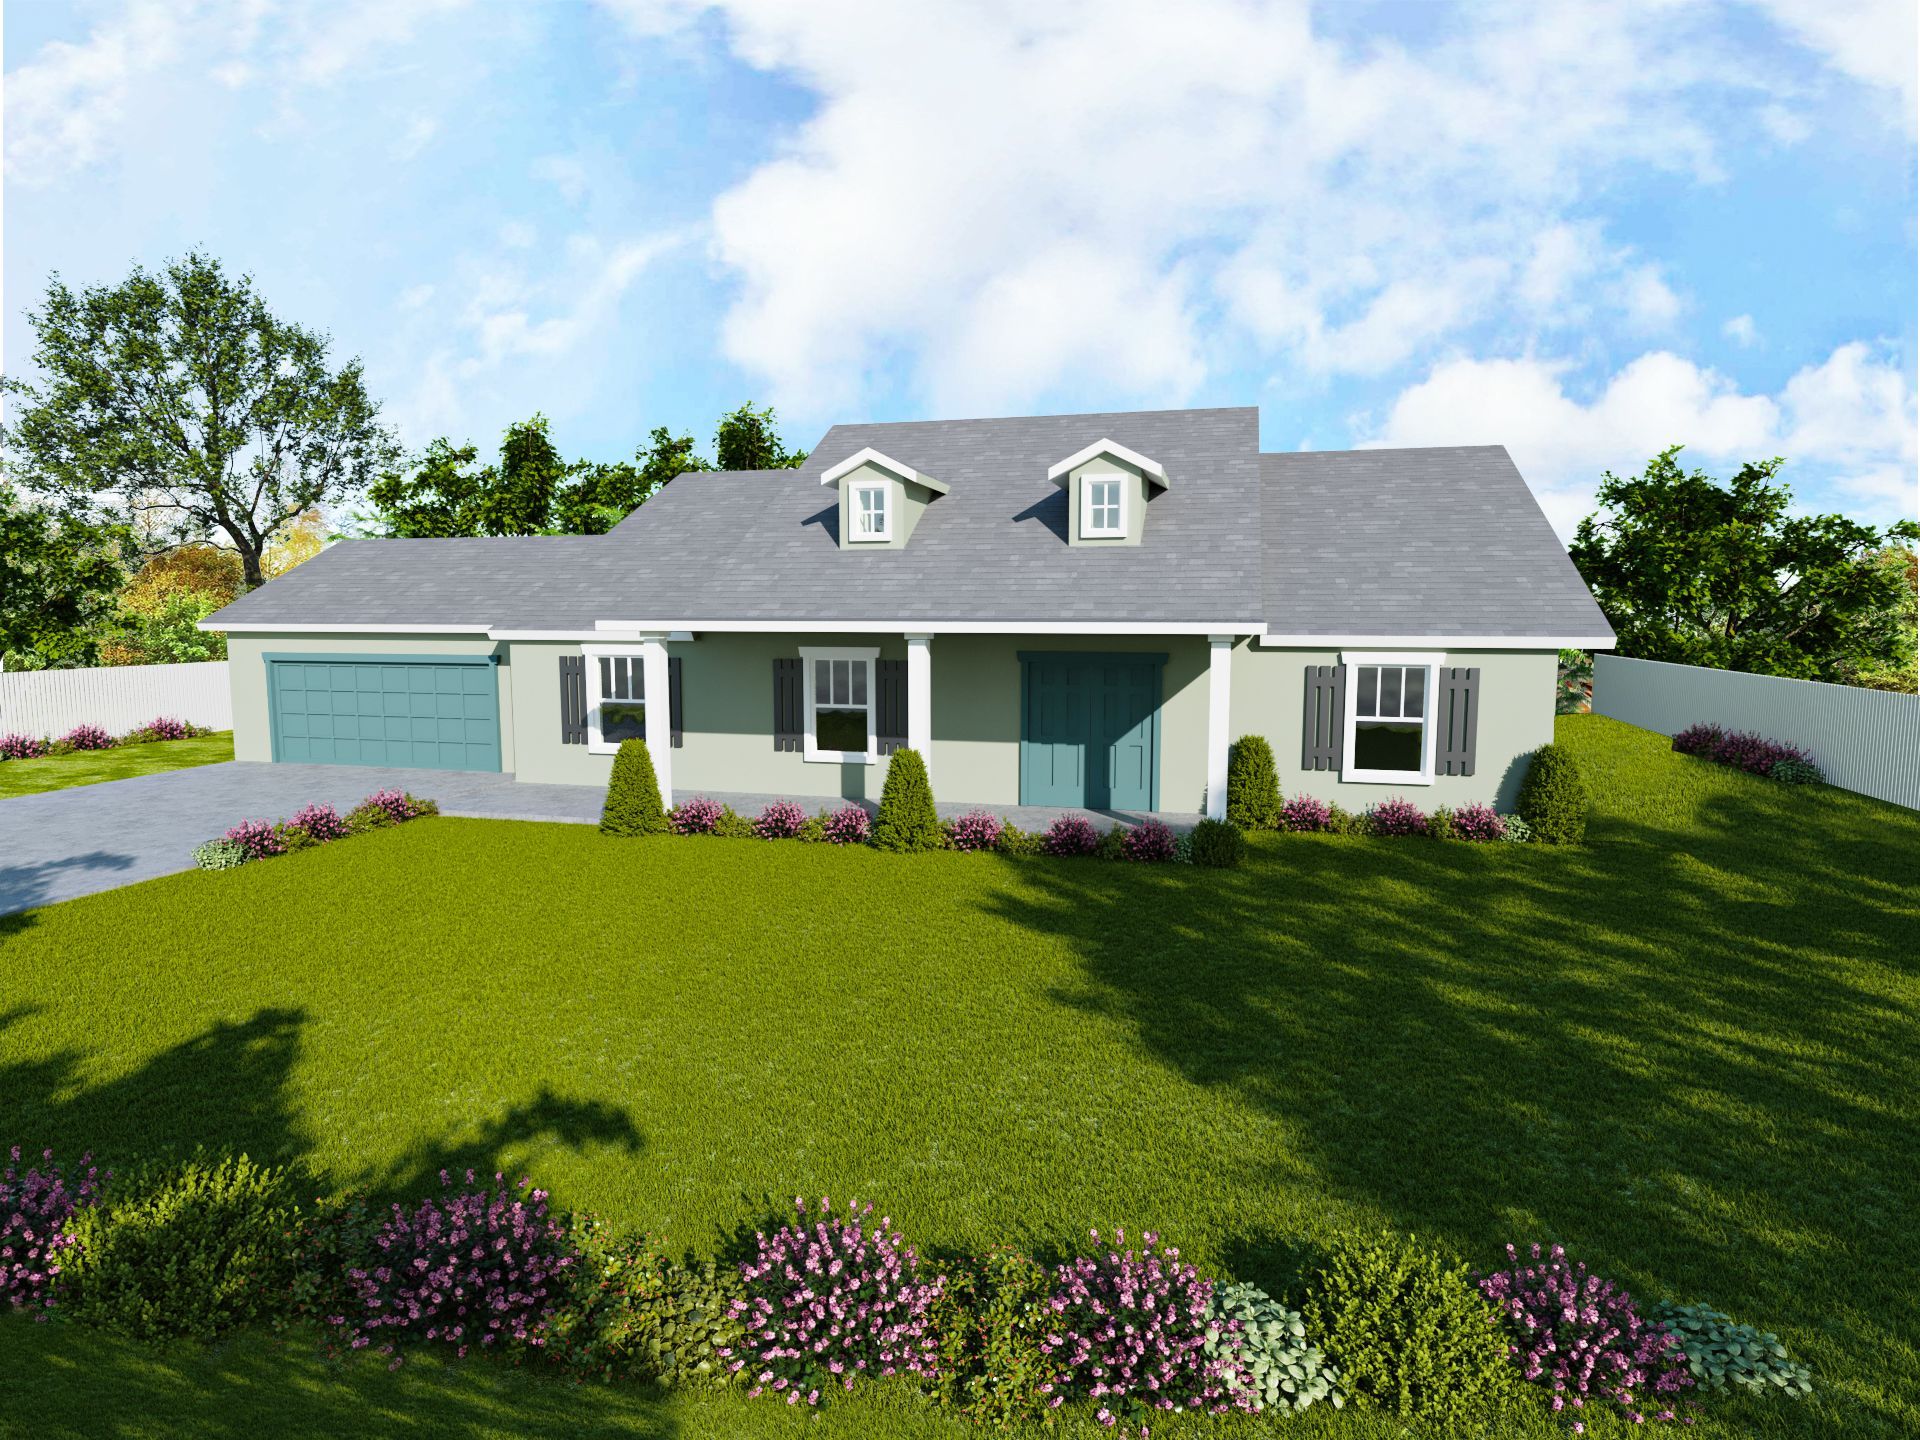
(1445, 642)
(929, 627)
(871, 456)
(1152, 469)
(252, 627)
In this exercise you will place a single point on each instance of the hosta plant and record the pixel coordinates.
(849, 825)
(1397, 816)
(975, 830)
(1304, 815)
(88, 737)
(831, 1298)
(37, 1206)
(1581, 1336)
(1479, 823)
(221, 855)
(780, 820)
(1070, 835)
(1515, 830)
(1793, 771)
(697, 816)
(1280, 1368)
(1149, 841)
(1720, 1353)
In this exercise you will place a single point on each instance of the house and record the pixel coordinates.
(1062, 610)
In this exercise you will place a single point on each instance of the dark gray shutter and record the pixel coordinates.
(787, 729)
(890, 719)
(1324, 726)
(673, 699)
(1457, 713)
(573, 699)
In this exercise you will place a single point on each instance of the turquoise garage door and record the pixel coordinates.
(441, 713)
(1090, 730)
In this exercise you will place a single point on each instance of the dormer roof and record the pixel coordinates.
(871, 456)
(1154, 471)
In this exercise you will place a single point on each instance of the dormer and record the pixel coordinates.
(881, 500)
(1108, 487)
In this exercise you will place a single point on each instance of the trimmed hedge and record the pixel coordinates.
(907, 822)
(1554, 800)
(1253, 784)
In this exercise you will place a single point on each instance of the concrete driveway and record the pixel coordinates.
(65, 843)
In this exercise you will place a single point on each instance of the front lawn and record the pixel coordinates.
(1688, 1050)
(90, 767)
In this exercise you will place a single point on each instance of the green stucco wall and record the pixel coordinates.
(908, 502)
(1134, 488)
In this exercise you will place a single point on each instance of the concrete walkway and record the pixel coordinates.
(67, 843)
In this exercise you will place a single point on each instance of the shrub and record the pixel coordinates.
(1015, 841)
(88, 737)
(1149, 841)
(1130, 1332)
(633, 793)
(1794, 771)
(1408, 1331)
(191, 1249)
(1478, 823)
(697, 816)
(161, 727)
(1720, 1353)
(1253, 785)
(1280, 1369)
(477, 1266)
(257, 837)
(21, 747)
(220, 855)
(1070, 835)
(907, 821)
(989, 1325)
(1517, 832)
(422, 809)
(1580, 1335)
(319, 821)
(37, 1206)
(849, 825)
(813, 830)
(398, 806)
(330, 1239)
(367, 817)
(1702, 739)
(1183, 848)
(292, 838)
(1553, 798)
(1345, 822)
(1218, 844)
(629, 1313)
(975, 830)
(781, 820)
(1395, 817)
(1757, 755)
(733, 826)
(1112, 845)
(829, 1302)
(1303, 814)
(1440, 824)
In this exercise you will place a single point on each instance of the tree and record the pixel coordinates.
(1898, 624)
(158, 612)
(179, 400)
(58, 575)
(520, 501)
(436, 498)
(1699, 573)
(747, 440)
(600, 495)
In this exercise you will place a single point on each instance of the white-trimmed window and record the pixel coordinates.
(1389, 720)
(872, 511)
(616, 696)
(1103, 510)
(839, 687)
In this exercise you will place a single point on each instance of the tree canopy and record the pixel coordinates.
(1698, 572)
(58, 577)
(747, 440)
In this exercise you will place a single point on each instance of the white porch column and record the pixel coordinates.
(1219, 697)
(920, 697)
(653, 664)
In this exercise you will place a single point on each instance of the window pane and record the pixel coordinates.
(841, 684)
(606, 676)
(859, 681)
(1368, 680)
(822, 681)
(1415, 706)
(1389, 690)
(623, 720)
(1384, 745)
(840, 729)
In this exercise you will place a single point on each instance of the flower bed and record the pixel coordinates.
(1745, 750)
(311, 825)
(87, 736)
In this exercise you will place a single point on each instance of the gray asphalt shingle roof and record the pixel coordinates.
(1355, 542)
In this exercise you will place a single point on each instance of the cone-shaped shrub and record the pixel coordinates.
(1253, 785)
(1554, 799)
(633, 794)
(906, 821)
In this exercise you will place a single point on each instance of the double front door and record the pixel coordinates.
(1089, 730)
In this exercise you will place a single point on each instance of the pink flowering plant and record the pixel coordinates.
(780, 821)
(88, 737)
(479, 1266)
(1580, 1335)
(975, 830)
(319, 822)
(1070, 835)
(1149, 841)
(849, 825)
(398, 805)
(257, 838)
(161, 727)
(1480, 823)
(1396, 817)
(829, 1299)
(1303, 814)
(37, 1206)
(1130, 1333)
(21, 747)
(697, 816)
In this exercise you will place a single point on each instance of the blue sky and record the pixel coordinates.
(1583, 231)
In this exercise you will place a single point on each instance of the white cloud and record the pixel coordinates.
(419, 133)
(1847, 424)
(1649, 302)
(1742, 331)
(1873, 41)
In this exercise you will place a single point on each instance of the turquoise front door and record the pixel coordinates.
(439, 713)
(1090, 730)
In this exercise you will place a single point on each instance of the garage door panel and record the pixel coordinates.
(429, 713)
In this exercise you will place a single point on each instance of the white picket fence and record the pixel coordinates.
(117, 697)
(1865, 740)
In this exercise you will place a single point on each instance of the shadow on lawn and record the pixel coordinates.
(1694, 1067)
(23, 888)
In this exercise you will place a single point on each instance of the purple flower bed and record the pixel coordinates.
(88, 737)
(1130, 1334)
(830, 1301)
(399, 805)
(1070, 835)
(21, 747)
(849, 825)
(1396, 817)
(1304, 814)
(319, 821)
(1741, 749)
(256, 837)
(697, 816)
(35, 1206)
(477, 1267)
(976, 830)
(165, 727)
(1149, 841)
(780, 821)
(1697, 739)
(1580, 1335)
(1478, 822)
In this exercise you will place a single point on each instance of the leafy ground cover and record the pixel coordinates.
(1687, 1050)
(123, 762)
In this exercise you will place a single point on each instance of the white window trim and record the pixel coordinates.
(1087, 482)
(1431, 661)
(597, 744)
(869, 657)
(886, 511)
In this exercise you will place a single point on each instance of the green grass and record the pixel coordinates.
(1689, 1050)
(90, 767)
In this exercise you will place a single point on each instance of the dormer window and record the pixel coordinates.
(1100, 507)
(872, 516)
(881, 499)
(1108, 490)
